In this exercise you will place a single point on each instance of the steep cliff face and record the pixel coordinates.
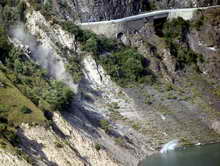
(10, 159)
(98, 10)
(62, 144)
(106, 10)
(95, 10)
(204, 39)
(86, 111)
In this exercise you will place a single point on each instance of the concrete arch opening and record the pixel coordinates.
(119, 35)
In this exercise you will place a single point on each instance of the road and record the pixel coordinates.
(144, 15)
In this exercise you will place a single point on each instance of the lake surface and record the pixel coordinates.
(207, 155)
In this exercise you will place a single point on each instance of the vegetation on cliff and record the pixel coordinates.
(123, 64)
(28, 93)
(12, 11)
(25, 91)
(175, 34)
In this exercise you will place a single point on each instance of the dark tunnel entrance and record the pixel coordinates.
(119, 35)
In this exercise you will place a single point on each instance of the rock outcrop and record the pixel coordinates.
(63, 145)
(8, 158)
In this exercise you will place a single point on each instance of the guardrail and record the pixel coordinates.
(149, 14)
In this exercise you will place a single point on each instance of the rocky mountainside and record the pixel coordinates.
(71, 97)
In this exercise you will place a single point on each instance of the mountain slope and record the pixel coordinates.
(90, 100)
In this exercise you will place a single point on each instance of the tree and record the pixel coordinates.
(59, 95)
(4, 44)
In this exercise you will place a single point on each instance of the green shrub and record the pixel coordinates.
(115, 115)
(26, 110)
(74, 68)
(58, 145)
(45, 7)
(177, 28)
(80, 35)
(184, 55)
(169, 87)
(105, 125)
(148, 79)
(4, 44)
(98, 147)
(98, 45)
(198, 24)
(3, 127)
(216, 91)
(175, 32)
(47, 10)
(171, 97)
(36, 4)
(125, 67)
(91, 42)
(11, 136)
(14, 78)
(136, 126)
(115, 105)
(12, 11)
(3, 108)
(21, 10)
(59, 95)
(120, 141)
(92, 45)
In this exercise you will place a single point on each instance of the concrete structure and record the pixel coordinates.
(116, 28)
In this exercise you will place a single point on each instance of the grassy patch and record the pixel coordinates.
(164, 110)
(105, 125)
(115, 115)
(113, 105)
(136, 126)
(15, 101)
(33, 82)
(121, 141)
(216, 91)
(171, 96)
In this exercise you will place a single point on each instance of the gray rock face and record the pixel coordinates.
(98, 10)
(106, 10)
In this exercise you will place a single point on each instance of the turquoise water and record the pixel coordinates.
(207, 155)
